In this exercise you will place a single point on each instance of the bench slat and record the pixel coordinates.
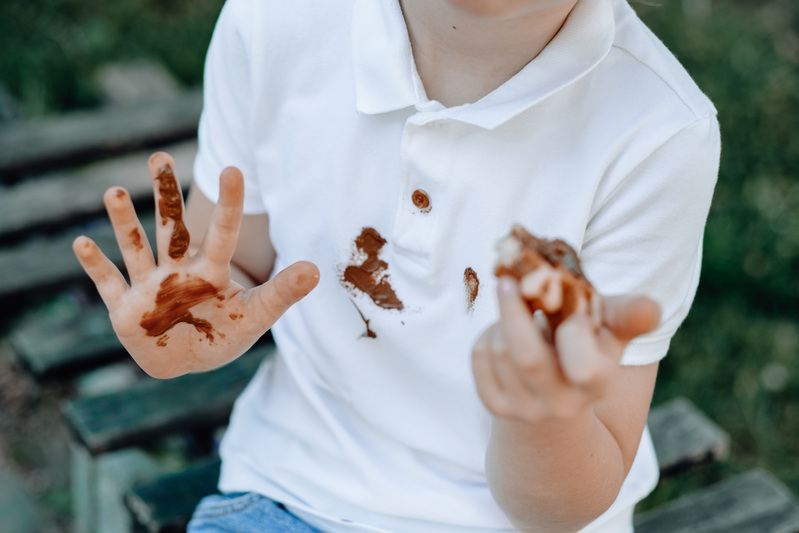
(166, 504)
(38, 144)
(50, 264)
(155, 408)
(48, 201)
(684, 437)
(753, 502)
(73, 338)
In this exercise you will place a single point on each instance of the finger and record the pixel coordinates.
(522, 334)
(223, 231)
(130, 235)
(628, 317)
(485, 377)
(171, 235)
(273, 298)
(106, 276)
(581, 357)
(522, 398)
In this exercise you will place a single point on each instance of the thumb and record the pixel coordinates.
(628, 317)
(288, 287)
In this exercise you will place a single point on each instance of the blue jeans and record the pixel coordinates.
(244, 513)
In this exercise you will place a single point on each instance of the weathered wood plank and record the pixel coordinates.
(50, 264)
(165, 504)
(753, 502)
(684, 437)
(63, 341)
(72, 194)
(154, 408)
(135, 81)
(28, 145)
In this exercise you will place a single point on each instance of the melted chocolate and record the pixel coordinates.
(556, 252)
(421, 200)
(173, 302)
(472, 285)
(170, 206)
(135, 237)
(577, 291)
(369, 333)
(369, 277)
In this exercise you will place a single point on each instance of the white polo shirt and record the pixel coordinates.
(368, 419)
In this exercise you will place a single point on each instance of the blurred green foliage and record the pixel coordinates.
(747, 64)
(736, 354)
(51, 49)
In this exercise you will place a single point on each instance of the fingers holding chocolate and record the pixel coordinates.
(171, 234)
(550, 277)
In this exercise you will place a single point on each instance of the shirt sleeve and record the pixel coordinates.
(225, 134)
(646, 237)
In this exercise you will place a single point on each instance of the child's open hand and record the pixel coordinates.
(523, 373)
(183, 313)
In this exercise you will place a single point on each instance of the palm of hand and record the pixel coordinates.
(179, 321)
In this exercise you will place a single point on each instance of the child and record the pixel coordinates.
(382, 148)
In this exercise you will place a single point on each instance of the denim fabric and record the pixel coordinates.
(244, 513)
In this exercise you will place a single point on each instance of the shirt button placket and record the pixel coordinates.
(425, 164)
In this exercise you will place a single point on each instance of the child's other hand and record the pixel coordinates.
(183, 313)
(525, 374)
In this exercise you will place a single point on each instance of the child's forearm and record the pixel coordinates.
(554, 476)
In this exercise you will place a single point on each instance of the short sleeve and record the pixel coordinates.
(225, 133)
(646, 236)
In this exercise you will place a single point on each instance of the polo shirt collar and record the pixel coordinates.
(386, 78)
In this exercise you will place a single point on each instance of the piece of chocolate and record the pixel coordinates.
(551, 279)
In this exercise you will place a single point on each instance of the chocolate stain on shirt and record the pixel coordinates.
(170, 206)
(173, 302)
(472, 285)
(369, 333)
(369, 277)
(135, 237)
(421, 200)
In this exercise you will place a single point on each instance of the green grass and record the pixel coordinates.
(50, 50)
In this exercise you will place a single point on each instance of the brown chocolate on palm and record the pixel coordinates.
(550, 276)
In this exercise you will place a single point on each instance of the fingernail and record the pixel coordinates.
(506, 285)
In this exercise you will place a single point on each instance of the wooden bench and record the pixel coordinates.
(752, 502)
(134, 419)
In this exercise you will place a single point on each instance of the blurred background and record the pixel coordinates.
(735, 356)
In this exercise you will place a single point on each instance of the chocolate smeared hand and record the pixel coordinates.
(173, 302)
(170, 206)
(551, 279)
(368, 275)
